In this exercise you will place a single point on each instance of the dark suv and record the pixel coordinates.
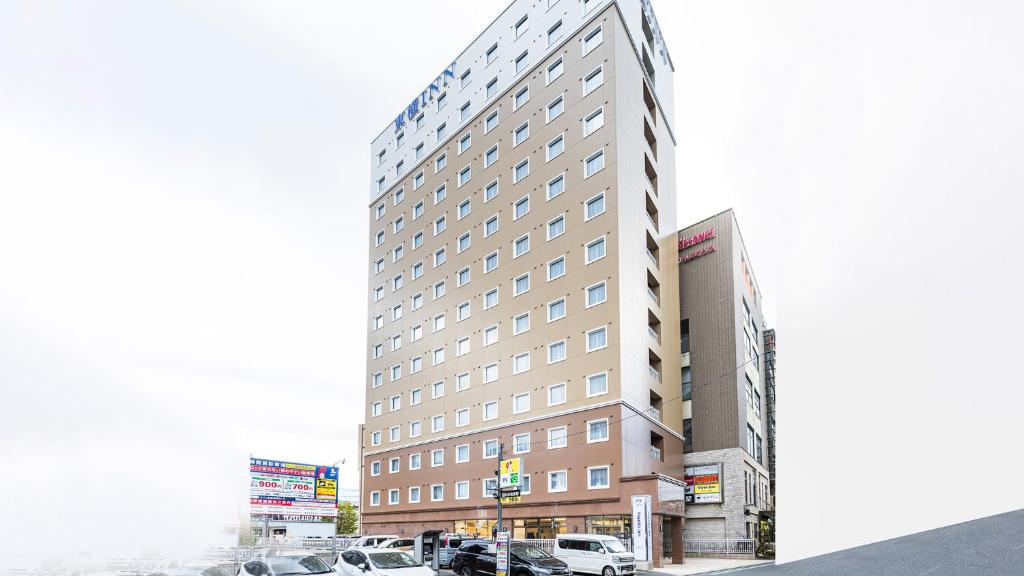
(477, 558)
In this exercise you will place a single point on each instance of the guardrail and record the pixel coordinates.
(719, 546)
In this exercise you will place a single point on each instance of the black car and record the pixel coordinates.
(477, 558)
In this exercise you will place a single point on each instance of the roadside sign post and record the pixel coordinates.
(509, 474)
(501, 552)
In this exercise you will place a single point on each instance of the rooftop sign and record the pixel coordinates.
(426, 96)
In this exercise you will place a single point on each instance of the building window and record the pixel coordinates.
(592, 40)
(597, 478)
(438, 356)
(380, 184)
(522, 61)
(439, 163)
(417, 301)
(558, 481)
(593, 80)
(492, 53)
(520, 134)
(417, 270)
(442, 100)
(490, 335)
(556, 351)
(380, 157)
(375, 438)
(465, 79)
(462, 344)
(597, 384)
(465, 111)
(414, 461)
(417, 210)
(555, 109)
(437, 423)
(491, 156)
(437, 458)
(555, 32)
(490, 410)
(556, 227)
(520, 363)
(490, 373)
(380, 211)
(491, 298)
(750, 440)
(521, 208)
(491, 191)
(419, 121)
(490, 449)
(415, 396)
(418, 151)
(465, 142)
(492, 89)
(464, 175)
(462, 453)
(462, 417)
(521, 402)
(521, 284)
(491, 122)
(521, 443)
(556, 268)
(394, 465)
(597, 430)
(490, 486)
(375, 409)
(521, 246)
(442, 131)
(521, 324)
(555, 70)
(380, 238)
(491, 226)
(378, 379)
(490, 262)
(595, 250)
(521, 97)
(375, 498)
(593, 164)
(438, 322)
(555, 147)
(414, 495)
(463, 242)
(462, 490)
(558, 437)
(593, 121)
(596, 294)
(436, 492)
(556, 394)
(522, 26)
(597, 339)
(556, 310)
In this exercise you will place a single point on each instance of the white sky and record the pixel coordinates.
(183, 243)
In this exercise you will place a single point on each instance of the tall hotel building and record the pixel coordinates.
(523, 283)
(728, 384)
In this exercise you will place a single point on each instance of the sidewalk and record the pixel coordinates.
(705, 565)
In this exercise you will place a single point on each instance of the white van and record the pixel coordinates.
(594, 554)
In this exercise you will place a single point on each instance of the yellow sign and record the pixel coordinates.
(511, 499)
(509, 476)
(706, 489)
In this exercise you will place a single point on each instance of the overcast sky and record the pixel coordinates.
(183, 240)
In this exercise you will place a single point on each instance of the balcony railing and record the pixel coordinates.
(654, 373)
(653, 413)
(652, 221)
(654, 334)
(656, 453)
(652, 258)
(653, 296)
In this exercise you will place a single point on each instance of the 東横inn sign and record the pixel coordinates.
(420, 102)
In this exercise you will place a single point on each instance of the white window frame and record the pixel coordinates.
(565, 351)
(599, 71)
(515, 400)
(586, 336)
(547, 309)
(565, 393)
(564, 268)
(548, 157)
(586, 294)
(586, 250)
(551, 475)
(565, 437)
(587, 380)
(590, 485)
(607, 429)
(515, 327)
(588, 117)
(593, 33)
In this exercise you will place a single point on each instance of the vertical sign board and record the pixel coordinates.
(501, 553)
(278, 488)
(642, 542)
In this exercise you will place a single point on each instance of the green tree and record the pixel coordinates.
(348, 519)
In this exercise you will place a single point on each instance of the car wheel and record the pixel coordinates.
(466, 571)
(608, 571)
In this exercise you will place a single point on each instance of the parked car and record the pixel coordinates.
(371, 541)
(379, 562)
(284, 562)
(404, 544)
(594, 554)
(448, 546)
(478, 558)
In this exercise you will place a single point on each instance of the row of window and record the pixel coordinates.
(521, 62)
(596, 384)
(598, 478)
(555, 227)
(596, 339)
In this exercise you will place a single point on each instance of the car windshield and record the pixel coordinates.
(531, 552)
(613, 546)
(284, 565)
(392, 560)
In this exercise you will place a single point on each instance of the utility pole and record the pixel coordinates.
(497, 494)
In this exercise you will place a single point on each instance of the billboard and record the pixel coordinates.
(703, 484)
(280, 488)
(642, 542)
(509, 473)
